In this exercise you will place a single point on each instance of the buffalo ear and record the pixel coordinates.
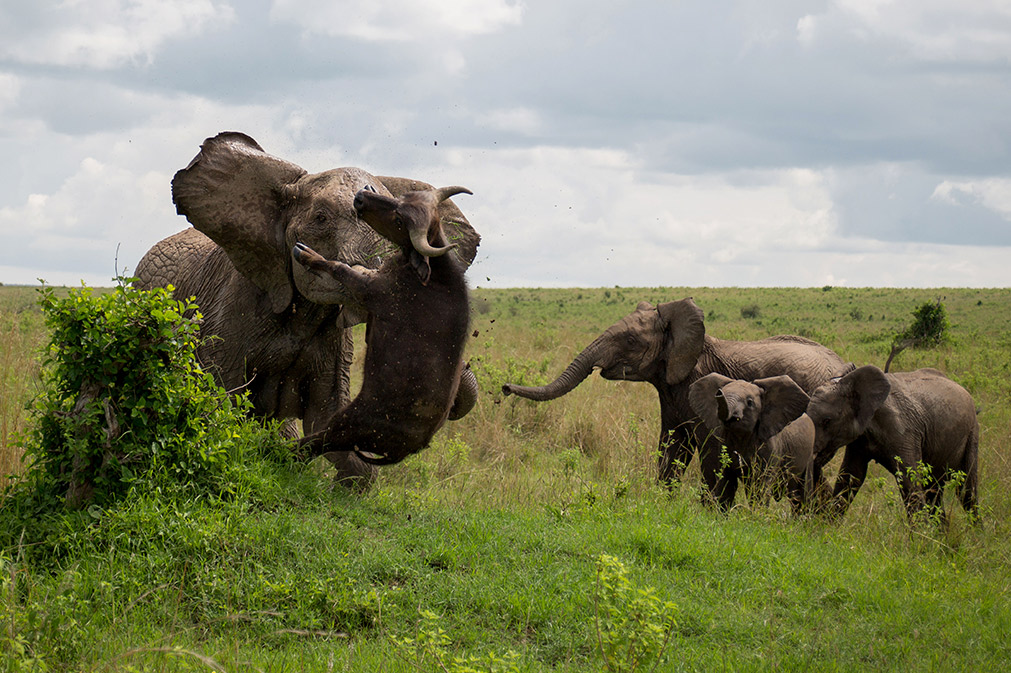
(233, 193)
(702, 398)
(868, 389)
(783, 401)
(455, 226)
(683, 324)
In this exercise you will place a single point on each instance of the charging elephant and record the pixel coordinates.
(667, 346)
(920, 426)
(769, 439)
(270, 326)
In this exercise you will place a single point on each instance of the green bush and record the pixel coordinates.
(124, 403)
(751, 311)
(929, 327)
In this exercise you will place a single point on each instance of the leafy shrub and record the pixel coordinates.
(633, 625)
(751, 311)
(929, 327)
(124, 403)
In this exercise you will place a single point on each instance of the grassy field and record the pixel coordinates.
(488, 542)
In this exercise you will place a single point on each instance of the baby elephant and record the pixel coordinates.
(920, 425)
(418, 316)
(768, 437)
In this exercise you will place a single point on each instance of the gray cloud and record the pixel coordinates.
(633, 143)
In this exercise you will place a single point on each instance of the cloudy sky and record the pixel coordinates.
(633, 143)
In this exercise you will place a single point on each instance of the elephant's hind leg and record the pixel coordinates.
(970, 466)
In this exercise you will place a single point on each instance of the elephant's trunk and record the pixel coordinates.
(573, 375)
(727, 410)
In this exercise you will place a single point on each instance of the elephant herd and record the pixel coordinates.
(282, 263)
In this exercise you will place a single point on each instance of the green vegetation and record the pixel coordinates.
(529, 537)
(124, 406)
(928, 329)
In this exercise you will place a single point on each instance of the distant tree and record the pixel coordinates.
(929, 328)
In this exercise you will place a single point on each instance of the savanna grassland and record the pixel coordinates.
(483, 552)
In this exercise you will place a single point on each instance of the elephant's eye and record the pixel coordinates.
(750, 402)
(321, 216)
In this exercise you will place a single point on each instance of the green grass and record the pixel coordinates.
(497, 527)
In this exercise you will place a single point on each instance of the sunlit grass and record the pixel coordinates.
(496, 527)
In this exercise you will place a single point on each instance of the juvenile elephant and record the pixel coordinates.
(920, 425)
(271, 327)
(768, 437)
(667, 346)
(416, 331)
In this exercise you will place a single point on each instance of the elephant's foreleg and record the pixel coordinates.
(852, 474)
(914, 495)
(719, 476)
(674, 454)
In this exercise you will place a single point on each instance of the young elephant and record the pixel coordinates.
(768, 437)
(418, 316)
(908, 422)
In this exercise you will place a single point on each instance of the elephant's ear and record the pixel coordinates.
(454, 224)
(783, 401)
(683, 324)
(868, 389)
(702, 398)
(232, 192)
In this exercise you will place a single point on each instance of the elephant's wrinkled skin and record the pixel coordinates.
(270, 326)
(416, 331)
(769, 438)
(904, 421)
(667, 346)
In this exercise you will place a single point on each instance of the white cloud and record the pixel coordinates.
(87, 217)
(10, 89)
(636, 143)
(522, 120)
(991, 193)
(399, 20)
(928, 30)
(107, 33)
(587, 217)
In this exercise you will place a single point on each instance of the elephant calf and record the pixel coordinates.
(417, 326)
(769, 438)
(920, 425)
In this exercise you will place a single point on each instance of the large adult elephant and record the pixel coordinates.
(269, 325)
(667, 345)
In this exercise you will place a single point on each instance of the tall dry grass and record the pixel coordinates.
(21, 340)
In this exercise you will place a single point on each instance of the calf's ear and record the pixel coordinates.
(702, 398)
(783, 401)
